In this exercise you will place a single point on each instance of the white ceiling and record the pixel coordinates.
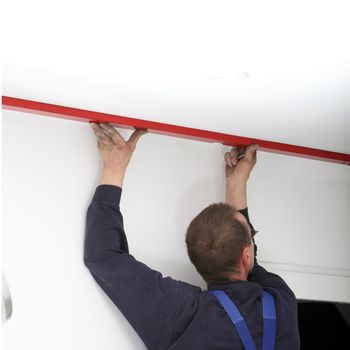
(274, 70)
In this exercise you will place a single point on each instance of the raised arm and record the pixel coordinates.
(239, 164)
(238, 169)
(147, 300)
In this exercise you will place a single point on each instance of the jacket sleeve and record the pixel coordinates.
(147, 300)
(252, 231)
(285, 300)
(260, 275)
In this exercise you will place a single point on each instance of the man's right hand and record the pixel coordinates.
(240, 168)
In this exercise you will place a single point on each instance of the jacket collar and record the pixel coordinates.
(225, 285)
(238, 289)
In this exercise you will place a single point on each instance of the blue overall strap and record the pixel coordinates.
(236, 319)
(269, 313)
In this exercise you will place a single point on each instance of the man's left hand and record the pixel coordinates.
(240, 162)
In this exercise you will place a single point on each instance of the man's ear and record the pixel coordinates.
(246, 257)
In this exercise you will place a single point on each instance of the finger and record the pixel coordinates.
(228, 159)
(112, 133)
(234, 150)
(96, 127)
(241, 152)
(134, 138)
(98, 131)
(234, 155)
(251, 151)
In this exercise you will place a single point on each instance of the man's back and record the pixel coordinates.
(170, 314)
(202, 323)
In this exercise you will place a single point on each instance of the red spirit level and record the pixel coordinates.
(47, 109)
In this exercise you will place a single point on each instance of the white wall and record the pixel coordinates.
(50, 170)
(274, 70)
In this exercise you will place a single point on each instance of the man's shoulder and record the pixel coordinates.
(271, 282)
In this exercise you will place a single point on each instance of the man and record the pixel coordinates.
(170, 314)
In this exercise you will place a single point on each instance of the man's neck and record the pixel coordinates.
(240, 276)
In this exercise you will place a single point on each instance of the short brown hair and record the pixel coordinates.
(215, 240)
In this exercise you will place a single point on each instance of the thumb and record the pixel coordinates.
(250, 152)
(133, 139)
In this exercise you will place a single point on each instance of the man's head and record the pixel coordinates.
(219, 243)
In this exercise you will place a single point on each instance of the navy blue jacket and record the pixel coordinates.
(171, 314)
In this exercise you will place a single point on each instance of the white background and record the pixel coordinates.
(50, 170)
(271, 70)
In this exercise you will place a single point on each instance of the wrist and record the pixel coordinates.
(236, 194)
(112, 176)
(237, 180)
(111, 168)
